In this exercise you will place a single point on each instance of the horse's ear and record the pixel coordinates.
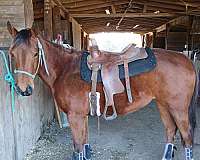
(12, 30)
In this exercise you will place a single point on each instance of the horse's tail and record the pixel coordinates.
(193, 105)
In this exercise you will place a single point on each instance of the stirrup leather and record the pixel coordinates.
(94, 96)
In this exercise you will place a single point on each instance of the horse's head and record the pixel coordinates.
(24, 51)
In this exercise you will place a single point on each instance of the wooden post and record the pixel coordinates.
(48, 27)
(82, 39)
(154, 39)
(189, 36)
(28, 13)
(166, 36)
(56, 21)
(58, 113)
(67, 28)
(71, 38)
(143, 40)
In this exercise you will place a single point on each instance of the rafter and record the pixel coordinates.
(121, 15)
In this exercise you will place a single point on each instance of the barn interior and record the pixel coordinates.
(168, 24)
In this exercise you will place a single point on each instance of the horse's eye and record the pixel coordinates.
(35, 55)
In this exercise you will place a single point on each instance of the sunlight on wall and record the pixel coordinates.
(116, 42)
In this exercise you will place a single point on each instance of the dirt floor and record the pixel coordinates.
(137, 136)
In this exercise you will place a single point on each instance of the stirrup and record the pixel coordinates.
(113, 116)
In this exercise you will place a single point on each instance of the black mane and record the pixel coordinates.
(22, 36)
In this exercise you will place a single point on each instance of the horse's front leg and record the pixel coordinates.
(79, 126)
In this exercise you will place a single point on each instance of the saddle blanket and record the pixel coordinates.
(135, 68)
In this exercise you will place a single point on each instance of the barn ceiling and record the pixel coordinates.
(127, 15)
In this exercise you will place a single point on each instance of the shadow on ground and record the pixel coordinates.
(137, 136)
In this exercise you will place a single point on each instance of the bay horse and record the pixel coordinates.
(173, 83)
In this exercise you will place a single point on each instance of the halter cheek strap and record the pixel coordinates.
(42, 60)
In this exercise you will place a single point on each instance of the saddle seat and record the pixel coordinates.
(108, 63)
(129, 53)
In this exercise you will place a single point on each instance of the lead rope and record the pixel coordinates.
(9, 78)
(98, 125)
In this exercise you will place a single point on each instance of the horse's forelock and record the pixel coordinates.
(22, 36)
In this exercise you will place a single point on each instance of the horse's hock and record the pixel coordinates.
(21, 128)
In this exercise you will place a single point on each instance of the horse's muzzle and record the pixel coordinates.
(27, 92)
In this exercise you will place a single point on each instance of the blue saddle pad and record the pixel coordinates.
(135, 68)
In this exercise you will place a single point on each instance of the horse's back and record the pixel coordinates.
(173, 58)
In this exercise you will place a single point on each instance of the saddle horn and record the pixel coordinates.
(93, 42)
(94, 49)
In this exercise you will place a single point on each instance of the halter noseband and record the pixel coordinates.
(41, 59)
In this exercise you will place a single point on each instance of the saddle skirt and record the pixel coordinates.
(135, 67)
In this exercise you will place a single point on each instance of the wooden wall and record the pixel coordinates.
(19, 12)
(20, 130)
(195, 33)
(176, 41)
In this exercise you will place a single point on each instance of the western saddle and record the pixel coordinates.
(107, 63)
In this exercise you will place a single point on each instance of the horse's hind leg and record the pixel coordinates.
(170, 128)
(79, 126)
(181, 116)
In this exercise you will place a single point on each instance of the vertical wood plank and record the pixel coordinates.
(166, 35)
(76, 29)
(56, 21)
(20, 130)
(48, 26)
(28, 13)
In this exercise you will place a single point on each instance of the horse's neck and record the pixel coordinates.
(58, 62)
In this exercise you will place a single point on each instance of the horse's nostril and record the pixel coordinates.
(29, 90)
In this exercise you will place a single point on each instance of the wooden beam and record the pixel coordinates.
(83, 4)
(163, 5)
(91, 11)
(190, 4)
(95, 6)
(161, 28)
(114, 22)
(58, 2)
(71, 1)
(131, 15)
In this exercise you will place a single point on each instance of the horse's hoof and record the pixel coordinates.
(87, 152)
(169, 152)
(189, 153)
(77, 156)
